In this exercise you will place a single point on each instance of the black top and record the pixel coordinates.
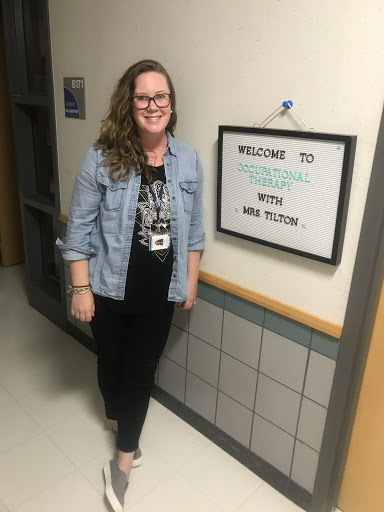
(149, 272)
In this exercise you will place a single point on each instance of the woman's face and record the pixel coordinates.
(153, 119)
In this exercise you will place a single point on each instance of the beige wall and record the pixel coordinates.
(234, 62)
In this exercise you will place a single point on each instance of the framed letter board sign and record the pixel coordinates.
(285, 189)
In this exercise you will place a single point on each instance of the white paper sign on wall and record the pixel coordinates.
(285, 189)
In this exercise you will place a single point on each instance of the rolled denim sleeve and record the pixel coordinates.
(86, 198)
(196, 239)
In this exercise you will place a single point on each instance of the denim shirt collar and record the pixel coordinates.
(171, 143)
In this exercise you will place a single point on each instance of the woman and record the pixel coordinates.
(133, 240)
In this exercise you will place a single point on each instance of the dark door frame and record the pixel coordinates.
(360, 315)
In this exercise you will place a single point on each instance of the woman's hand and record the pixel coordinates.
(83, 306)
(192, 279)
(192, 293)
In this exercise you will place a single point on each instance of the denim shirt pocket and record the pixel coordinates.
(188, 189)
(114, 192)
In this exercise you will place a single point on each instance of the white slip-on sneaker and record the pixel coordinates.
(116, 485)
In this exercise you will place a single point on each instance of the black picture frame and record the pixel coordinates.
(344, 192)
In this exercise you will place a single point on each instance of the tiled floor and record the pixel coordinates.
(54, 440)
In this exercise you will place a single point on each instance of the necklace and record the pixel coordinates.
(153, 156)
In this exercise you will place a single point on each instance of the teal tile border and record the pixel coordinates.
(284, 326)
(210, 294)
(244, 309)
(325, 344)
(288, 328)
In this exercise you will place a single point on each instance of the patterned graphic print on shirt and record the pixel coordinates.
(146, 214)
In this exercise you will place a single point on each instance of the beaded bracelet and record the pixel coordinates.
(78, 289)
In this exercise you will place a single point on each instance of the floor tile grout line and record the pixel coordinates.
(253, 494)
(206, 494)
(21, 442)
(44, 490)
(145, 495)
(65, 455)
(156, 486)
(194, 456)
(200, 491)
(88, 480)
(53, 425)
(23, 408)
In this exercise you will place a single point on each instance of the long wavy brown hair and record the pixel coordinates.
(119, 138)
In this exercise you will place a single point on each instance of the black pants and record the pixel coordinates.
(129, 348)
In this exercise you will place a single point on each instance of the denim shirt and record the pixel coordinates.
(102, 215)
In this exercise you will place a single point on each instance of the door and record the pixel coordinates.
(363, 482)
(28, 52)
(11, 238)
